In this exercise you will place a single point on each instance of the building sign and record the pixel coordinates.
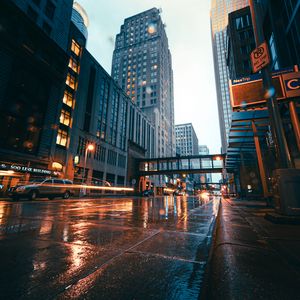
(260, 57)
(20, 168)
(249, 91)
(292, 84)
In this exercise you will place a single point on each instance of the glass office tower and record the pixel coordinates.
(219, 20)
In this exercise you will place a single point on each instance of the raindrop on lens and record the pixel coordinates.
(270, 92)
(148, 90)
(161, 212)
(151, 28)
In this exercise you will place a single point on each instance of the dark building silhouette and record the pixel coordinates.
(56, 99)
(281, 29)
(240, 43)
(279, 19)
(32, 71)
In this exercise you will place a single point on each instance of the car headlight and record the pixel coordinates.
(21, 188)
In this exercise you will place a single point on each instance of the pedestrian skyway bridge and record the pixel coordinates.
(182, 165)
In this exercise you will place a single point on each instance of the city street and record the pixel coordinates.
(105, 248)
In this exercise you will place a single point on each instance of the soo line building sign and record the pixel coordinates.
(248, 92)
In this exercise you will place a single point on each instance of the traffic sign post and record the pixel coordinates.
(260, 57)
(282, 151)
(285, 175)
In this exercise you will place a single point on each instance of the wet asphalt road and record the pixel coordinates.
(108, 248)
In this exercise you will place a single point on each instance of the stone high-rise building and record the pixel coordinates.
(186, 139)
(143, 68)
(219, 20)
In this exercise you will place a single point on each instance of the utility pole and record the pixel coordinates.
(282, 151)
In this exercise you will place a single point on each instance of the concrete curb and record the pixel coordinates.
(206, 286)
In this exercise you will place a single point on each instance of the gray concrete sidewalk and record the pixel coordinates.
(251, 257)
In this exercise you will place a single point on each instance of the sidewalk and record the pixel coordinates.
(252, 258)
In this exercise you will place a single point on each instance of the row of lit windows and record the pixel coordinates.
(65, 118)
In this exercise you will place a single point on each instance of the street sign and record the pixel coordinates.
(260, 57)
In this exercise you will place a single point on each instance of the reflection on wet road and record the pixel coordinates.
(108, 248)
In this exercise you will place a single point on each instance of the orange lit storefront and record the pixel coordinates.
(13, 173)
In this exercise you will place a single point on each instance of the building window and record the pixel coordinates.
(242, 22)
(65, 117)
(68, 99)
(49, 9)
(121, 161)
(273, 52)
(246, 65)
(75, 47)
(81, 146)
(112, 158)
(33, 15)
(73, 64)
(242, 35)
(62, 138)
(47, 28)
(37, 2)
(71, 81)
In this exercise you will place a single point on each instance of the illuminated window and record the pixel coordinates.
(75, 47)
(73, 64)
(65, 117)
(68, 99)
(62, 138)
(71, 81)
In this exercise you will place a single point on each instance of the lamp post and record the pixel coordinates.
(89, 147)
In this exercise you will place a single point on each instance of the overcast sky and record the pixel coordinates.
(188, 30)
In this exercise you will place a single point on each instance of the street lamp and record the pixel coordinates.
(89, 147)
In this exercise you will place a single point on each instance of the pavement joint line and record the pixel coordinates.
(183, 232)
(93, 207)
(97, 268)
(201, 262)
(281, 239)
(242, 245)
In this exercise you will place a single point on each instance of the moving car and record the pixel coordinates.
(49, 187)
(148, 193)
(179, 193)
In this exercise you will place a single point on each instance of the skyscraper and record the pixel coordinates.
(219, 20)
(143, 68)
(186, 139)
